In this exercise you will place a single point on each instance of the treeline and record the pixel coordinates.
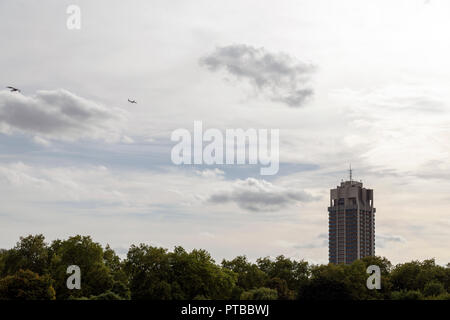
(36, 270)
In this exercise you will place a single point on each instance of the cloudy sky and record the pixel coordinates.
(360, 82)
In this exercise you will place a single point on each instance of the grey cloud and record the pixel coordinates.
(312, 245)
(259, 195)
(433, 169)
(58, 114)
(280, 76)
(321, 241)
(382, 240)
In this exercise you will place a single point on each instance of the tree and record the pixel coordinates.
(355, 279)
(3, 253)
(249, 276)
(115, 265)
(108, 295)
(295, 273)
(433, 288)
(407, 295)
(384, 264)
(155, 273)
(148, 270)
(336, 282)
(283, 291)
(121, 289)
(415, 275)
(386, 283)
(260, 294)
(112, 261)
(88, 255)
(30, 253)
(196, 274)
(26, 285)
(325, 289)
(327, 282)
(32, 269)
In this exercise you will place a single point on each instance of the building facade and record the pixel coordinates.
(351, 223)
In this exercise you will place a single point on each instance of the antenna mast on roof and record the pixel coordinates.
(350, 172)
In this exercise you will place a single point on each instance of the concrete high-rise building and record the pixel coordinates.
(351, 219)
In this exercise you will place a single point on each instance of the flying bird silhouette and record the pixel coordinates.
(13, 89)
(132, 101)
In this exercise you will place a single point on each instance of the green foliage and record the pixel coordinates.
(413, 276)
(30, 253)
(88, 255)
(260, 294)
(384, 264)
(156, 274)
(197, 274)
(433, 288)
(3, 254)
(78, 298)
(407, 295)
(34, 270)
(26, 285)
(148, 268)
(386, 283)
(345, 282)
(108, 295)
(121, 289)
(327, 282)
(115, 265)
(444, 296)
(295, 273)
(249, 276)
(283, 291)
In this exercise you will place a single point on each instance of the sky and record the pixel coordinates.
(360, 82)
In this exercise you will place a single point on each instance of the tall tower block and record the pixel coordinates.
(351, 220)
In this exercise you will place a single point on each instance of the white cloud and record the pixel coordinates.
(210, 173)
(41, 141)
(207, 235)
(397, 126)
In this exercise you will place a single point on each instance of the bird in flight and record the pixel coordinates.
(13, 89)
(132, 101)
